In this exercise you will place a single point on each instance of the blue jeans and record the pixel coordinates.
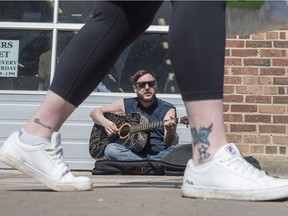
(115, 151)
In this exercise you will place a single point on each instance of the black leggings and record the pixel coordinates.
(196, 39)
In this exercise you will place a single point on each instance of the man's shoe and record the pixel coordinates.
(229, 176)
(42, 162)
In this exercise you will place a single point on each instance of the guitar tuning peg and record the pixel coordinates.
(186, 121)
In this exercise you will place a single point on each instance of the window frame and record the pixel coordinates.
(55, 27)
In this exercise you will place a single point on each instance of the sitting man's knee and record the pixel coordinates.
(111, 150)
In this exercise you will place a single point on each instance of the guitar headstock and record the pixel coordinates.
(184, 120)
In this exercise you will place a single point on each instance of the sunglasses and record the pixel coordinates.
(143, 84)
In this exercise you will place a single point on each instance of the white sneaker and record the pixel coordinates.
(42, 162)
(229, 176)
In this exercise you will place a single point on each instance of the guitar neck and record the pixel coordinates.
(147, 126)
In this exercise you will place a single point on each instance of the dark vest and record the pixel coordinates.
(154, 113)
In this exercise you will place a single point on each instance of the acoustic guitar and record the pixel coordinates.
(133, 132)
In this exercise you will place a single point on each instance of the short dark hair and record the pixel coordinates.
(139, 74)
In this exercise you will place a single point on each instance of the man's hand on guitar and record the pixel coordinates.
(170, 124)
(110, 128)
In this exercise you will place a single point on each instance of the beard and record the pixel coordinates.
(145, 99)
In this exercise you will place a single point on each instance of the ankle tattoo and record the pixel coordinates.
(37, 121)
(201, 139)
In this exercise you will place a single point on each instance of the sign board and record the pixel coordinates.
(9, 50)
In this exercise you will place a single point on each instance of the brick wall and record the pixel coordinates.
(256, 93)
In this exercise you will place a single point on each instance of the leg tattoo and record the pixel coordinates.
(37, 121)
(201, 139)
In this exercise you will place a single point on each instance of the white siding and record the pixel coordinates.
(16, 109)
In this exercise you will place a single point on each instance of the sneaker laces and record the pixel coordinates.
(240, 165)
(57, 155)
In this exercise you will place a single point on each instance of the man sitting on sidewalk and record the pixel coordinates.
(160, 139)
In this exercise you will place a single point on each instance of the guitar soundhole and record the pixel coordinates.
(124, 131)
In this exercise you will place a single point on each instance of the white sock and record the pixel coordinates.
(28, 138)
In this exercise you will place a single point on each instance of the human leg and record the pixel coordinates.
(99, 43)
(42, 162)
(203, 93)
(115, 151)
(162, 154)
(82, 66)
(217, 169)
(89, 57)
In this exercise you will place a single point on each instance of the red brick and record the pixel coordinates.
(244, 37)
(232, 80)
(226, 108)
(283, 35)
(244, 52)
(241, 89)
(258, 44)
(280, 99)
(275, 109)
(231, 37)
(257, 149)
(226, 128)
(257, 139)
(234, 138)
(228, 89)
(272, 129)
(271, 90)
(234, 98)
(251, 80)
(245, 70)
(242, 128)
(272, 35)
(233, 61)
(243, 108)
(279, 139)
(257, 62)
(271, 149)
(281, 90)
(265, 80)
(244, 148)
(258, 118)
(227, 70)
(227, 52)
(280, 81)
(259, 36)
(273, 71)
(233, 118)
(280, 119)
(280, 44)
(254, 80)
(282, 150)
(258, 99)
(272, 53)
(255, 90)
(235, 43)
(280, 62)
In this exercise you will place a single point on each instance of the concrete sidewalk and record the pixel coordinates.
(120, 195)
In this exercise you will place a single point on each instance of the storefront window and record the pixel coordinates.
(26, 11)
(26, 53)
(75, 11)
(81, 11)
(20, 55)
(150, 51)
(163, 15)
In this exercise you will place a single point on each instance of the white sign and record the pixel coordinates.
(9, 50)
